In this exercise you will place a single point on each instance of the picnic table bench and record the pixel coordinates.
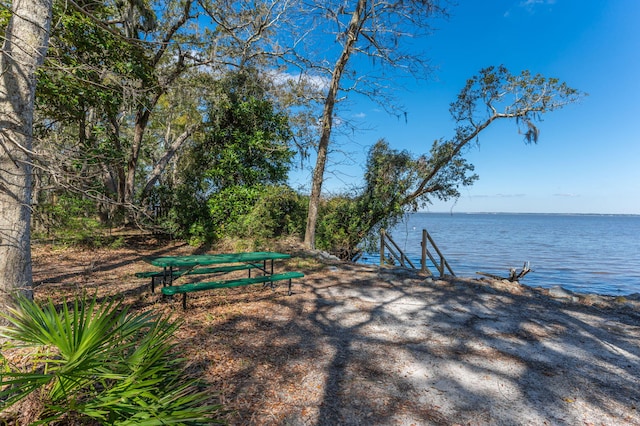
(184, 289)
(177, 266)
(175, 273)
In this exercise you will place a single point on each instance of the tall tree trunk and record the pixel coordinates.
(142, 119)
(352, 32)
(24, 48)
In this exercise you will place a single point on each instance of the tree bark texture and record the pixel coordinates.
(352, 33)
(23, 50)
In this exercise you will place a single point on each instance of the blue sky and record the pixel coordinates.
(587, 158)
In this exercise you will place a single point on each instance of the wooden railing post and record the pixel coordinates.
(423, 257)
(396, 253)
(382, 247)
(443, 262)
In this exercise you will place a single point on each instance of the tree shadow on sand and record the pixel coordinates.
(355, 346)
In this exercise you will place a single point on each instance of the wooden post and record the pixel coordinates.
(423, 257)
(382, 247)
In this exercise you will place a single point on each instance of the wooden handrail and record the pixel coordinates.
(398, 255)
(394, 250)
(443, 262)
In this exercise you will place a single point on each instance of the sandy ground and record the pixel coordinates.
(462, 353)
(360, 345)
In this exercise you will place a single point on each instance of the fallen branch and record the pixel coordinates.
(514, 275)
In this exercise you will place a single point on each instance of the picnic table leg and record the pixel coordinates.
(164, 276)
(153, 280)
(170, 278)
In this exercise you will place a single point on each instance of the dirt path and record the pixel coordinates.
(356, 345)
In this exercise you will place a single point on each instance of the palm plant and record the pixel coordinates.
(97, 362)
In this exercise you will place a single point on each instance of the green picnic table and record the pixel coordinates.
(176, 266)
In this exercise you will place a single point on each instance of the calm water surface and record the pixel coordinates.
(584, 253)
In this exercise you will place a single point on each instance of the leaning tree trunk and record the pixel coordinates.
(23, 50)
(352, 32)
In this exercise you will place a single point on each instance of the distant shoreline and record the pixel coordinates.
(530, 214)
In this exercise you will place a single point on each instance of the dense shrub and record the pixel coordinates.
(278, 211)
(228, 206)
(182, 214)
(341, 226)
(258, 213)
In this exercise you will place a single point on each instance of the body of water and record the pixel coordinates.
(583, 253)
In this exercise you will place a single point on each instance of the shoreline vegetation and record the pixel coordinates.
(362, 344)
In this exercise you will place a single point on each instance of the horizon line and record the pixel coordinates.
(529, 213)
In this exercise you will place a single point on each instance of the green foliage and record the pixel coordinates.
(249, 147)
(253, 212)
(65, 210)
(341, 224)
(188, 215)
(347, 220)
(225, 175)
(228, 206)
(246, 141)
(494, 93)
(350, 222)
(86, 66)
(90, 82)
(277, 211)
(259, 212)
(70, 219)
(99, 362)
(5, 16)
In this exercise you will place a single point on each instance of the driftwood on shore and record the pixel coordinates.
(514, 275)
